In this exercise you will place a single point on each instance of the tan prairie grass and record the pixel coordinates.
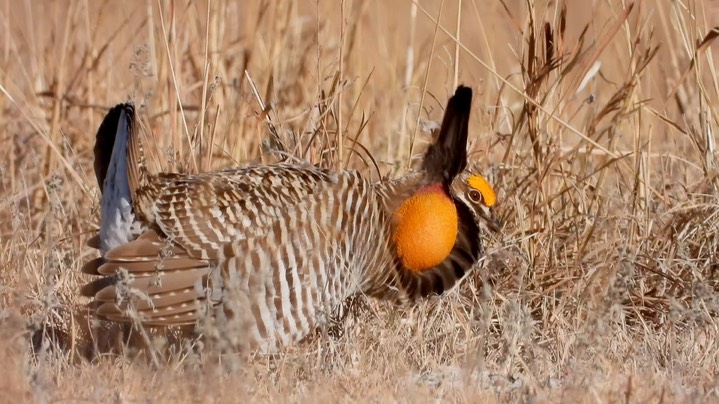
(595, 121)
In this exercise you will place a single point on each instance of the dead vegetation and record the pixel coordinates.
(595, 123)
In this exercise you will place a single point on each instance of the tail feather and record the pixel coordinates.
(137, 173)
(113, 171)
(105, 142)
(447, 156)
(142, 187)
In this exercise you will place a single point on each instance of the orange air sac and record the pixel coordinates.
(425, 228)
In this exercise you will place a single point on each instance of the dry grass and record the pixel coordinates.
(596, 124)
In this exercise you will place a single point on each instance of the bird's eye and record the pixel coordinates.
(474, 196)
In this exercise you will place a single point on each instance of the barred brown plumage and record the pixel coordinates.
(283, 245)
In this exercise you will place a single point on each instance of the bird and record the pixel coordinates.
(280, 245)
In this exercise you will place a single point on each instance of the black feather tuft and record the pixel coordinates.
(105, 141)
(447, 156)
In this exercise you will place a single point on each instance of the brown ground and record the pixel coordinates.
(602, 286)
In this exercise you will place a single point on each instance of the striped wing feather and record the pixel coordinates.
(202, 212)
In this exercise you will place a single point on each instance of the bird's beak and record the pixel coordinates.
(491, 221)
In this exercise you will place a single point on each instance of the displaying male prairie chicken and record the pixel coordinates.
(282, 244)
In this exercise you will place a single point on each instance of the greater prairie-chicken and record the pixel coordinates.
(285, 244)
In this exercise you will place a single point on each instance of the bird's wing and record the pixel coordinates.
(203, 212)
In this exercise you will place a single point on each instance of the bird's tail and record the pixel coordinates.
(105, 142)
(119, 167)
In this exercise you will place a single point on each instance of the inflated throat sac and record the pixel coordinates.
(425, 228)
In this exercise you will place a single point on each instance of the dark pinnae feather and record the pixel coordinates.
(447, 156)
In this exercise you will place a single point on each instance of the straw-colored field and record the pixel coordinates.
(595, 123)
